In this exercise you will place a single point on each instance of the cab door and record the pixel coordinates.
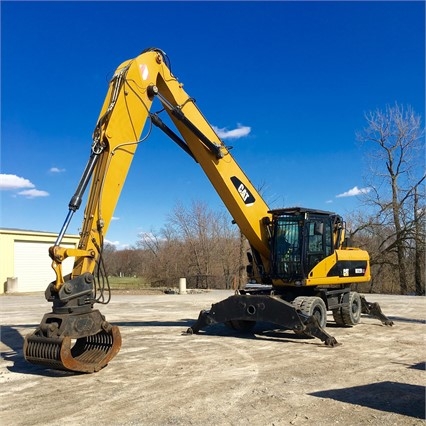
(318, 241)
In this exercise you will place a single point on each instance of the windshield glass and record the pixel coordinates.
(287, 247)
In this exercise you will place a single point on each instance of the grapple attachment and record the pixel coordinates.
(82, 343)
(74, 336)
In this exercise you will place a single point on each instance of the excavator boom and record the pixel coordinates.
(125, 112)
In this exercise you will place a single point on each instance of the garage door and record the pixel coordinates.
(32, 265)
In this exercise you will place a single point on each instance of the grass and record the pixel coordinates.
(127, 283)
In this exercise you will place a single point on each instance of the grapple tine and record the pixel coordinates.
(91, 353)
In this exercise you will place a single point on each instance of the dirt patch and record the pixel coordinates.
(272, 377)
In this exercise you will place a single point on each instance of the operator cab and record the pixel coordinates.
(301, 238)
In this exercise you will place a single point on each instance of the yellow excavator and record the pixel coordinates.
(300, 263)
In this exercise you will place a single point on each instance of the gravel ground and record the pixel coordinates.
(162, 376)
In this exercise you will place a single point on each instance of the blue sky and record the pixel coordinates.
(298, 77)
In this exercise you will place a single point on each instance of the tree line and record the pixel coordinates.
(205, 247)
(196, 243)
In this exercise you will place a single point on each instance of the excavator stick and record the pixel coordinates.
(74, 336)
(247, 309)
(373, 309)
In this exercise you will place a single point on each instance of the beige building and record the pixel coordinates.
(25, 265)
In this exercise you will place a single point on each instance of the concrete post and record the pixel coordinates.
(12, 285)
(182, 285)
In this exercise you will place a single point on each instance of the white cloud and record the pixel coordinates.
(239, 132)
(33, 193)
(13, 182)
(115, 218)
(117, 244)
(113, 243)
(8, 182)
(56, 170)
(354, 192)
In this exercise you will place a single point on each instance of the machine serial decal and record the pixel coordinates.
(348, 268)
(245, 194)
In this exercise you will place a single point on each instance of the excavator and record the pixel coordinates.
(300, 263)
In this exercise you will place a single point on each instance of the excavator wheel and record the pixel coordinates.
(311, 306)
(85, 355)
(349, 315)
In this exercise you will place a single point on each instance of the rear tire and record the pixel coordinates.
(350, 315)
(338, 318)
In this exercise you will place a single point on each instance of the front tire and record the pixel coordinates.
(312, 306)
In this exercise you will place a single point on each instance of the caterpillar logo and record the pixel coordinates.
(245, 194)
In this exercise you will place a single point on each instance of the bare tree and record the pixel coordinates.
(164, 257)
(195, 228)
(227, 256)
(395, 142)
(196, 243)
(368, 234)
(109, 259)
(128, 262)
